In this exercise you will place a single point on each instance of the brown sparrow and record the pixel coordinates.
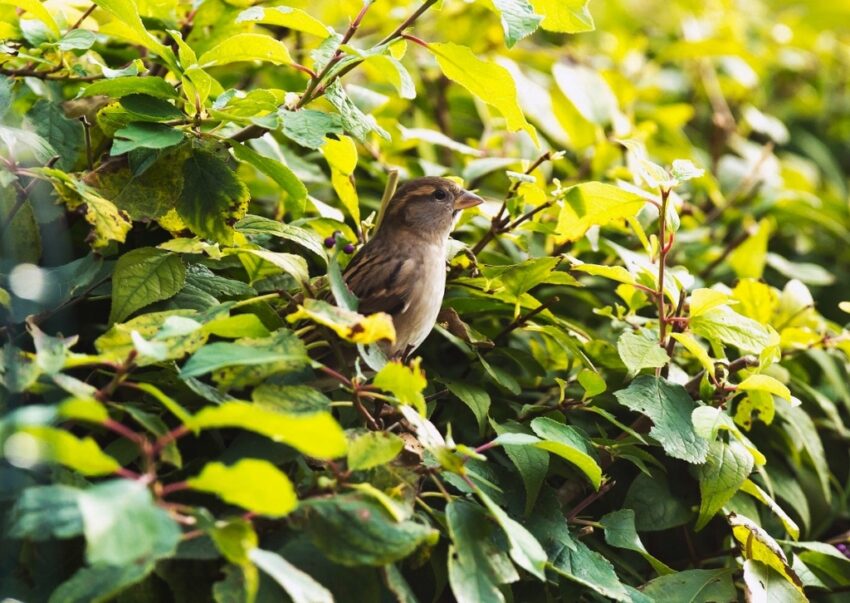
(402, 269)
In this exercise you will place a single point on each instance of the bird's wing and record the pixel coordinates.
(382, 281)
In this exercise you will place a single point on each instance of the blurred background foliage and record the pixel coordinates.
(612, 406)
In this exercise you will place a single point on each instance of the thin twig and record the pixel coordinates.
(590, 499)
(522, 320)
(82, 18)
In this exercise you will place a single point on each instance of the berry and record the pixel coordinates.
(349, 248)
(329, 242)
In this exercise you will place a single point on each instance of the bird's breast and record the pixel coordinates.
(415, 322)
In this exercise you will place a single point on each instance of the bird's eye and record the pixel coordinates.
(439, 194)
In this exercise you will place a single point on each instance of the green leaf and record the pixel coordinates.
(765, 383)
(46, 512)
(310, 128)
(352, 531)
(531, 462)
(570, 445)
(760, 495)
(766, 584)
(145, 135)
(373, 449)
(404, 382)
(280, 173)
(393, 71)
(656, 507)
(639, 350)
(723, 324)
(123, 86)
(257, 225)
(143, 276)
(290, 398)
(281, 347)
(100, 582)
(349, 325)
(476, 399)
(37, 10)
(35, 444)
(690, 586)
(123, 525)
(292, 264)
(725, 470)
(253, 484)
(314, 434)
(353, 120)
(524, 548)
(213, 198)
(477, 564)
(487, 81)
(150, 108)
(65, 135)
(566, 16)
(669, 406)
(585, 566)
(246, 47)
(620, 532)
(595, 204)
(518, 19)
(300, 586)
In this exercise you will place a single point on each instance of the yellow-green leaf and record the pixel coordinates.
(349, 325)
(37, 10)
(765, 383)
(246, 47)
(695, 348)
(487, 81)
(404, 382)
(566, 16)
(285, 16)
(314, 434)
(252, 484)
(41, 444)
(757, 544)
(595, 204)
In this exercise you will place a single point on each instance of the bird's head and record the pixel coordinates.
(427, 206)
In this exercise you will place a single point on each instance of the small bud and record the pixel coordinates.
(349, 248)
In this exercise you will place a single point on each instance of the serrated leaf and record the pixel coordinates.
(353, 120)
(143, 276)
(213, 197)
(123, 86)
(309, 128)
(281, 347)
(726, 468)
(669, 406)
(314, 434)
(257, 225)
(46, 512)
(487, 81)
(252, 484)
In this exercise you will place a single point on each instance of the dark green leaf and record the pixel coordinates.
(142, 277)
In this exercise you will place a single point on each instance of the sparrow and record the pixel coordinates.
(401, 270)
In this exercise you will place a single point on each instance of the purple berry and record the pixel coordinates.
(330, 242)
(845, 550)
(349, 248)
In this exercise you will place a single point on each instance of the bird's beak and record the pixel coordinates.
(467, 200)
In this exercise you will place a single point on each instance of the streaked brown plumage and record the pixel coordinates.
(402, 269)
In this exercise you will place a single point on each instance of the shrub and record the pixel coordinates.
(637, 388)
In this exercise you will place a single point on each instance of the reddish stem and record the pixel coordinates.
(175, 487)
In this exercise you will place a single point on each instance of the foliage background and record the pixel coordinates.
(169, 174)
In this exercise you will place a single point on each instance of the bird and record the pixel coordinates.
(401, 270)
